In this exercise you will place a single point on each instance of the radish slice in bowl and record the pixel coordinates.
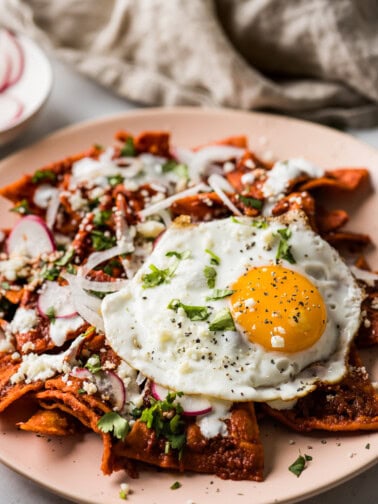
(82, 373)
(192, 405)
(5, 68)
(10, 110)
(58, 298)
(30, 237)
(10, 46)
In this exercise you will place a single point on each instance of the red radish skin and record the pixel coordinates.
(10, 45)
(31, 237)
(192, 406)
(82, 373)
(57, 297)
(10, 111)
(5, 70)
(111, 385)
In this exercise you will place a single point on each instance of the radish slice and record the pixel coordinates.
(80, 372)
(111, 386)
(30, 237)
(192, 405)
(58, 298)
(10, 110)
(10, 46)
(5, 68)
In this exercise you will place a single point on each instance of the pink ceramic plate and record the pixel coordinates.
(70, 467)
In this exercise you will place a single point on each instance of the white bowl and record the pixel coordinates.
(32, 89)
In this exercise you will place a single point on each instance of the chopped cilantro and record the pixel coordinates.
(71, 269)
(299, 465)
(81, 391)
(101, 217)
(235, 220)
(98, 146)
(210, 275)
(219, 294)
(51, 315)
(251, 202)
(260, 224)
(66, 258)
(192, 312)
(175, 485)
(180, 255)
(111, 266)
(100, 241)
(50, 273)
(157, 276)
(43, 175)
(214, 258)
(115, 180)
(123, 494)
(129, 148)
(114, 423)
(222, 321)
(94, 364)
(180, 169)
(22, 207)
(164, 417)
(5, 285)
(284, 249)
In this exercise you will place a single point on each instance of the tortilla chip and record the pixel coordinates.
(237, 456)
(350, 405)
(200, 207)
(368, 332)
(50, 423)
(330, 220)
(347, 179)
(154, 142)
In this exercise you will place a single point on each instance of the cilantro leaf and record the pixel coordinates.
(50, 273)
(251, 202)
(22, 207)
(234, 219)
(175, 485)
(100, 241)
(299, 465)
(214, 258)
(128, 150)
(210, 275)
(219, 294)
(180, 255)
(66, 258)
(101, 217)
(44, 175)
(180, 169)
(93, 364)
(50, 313)
(114, 423)
(115, 180)
(194, 313)
(158, 276)
(284, 249)
(260, 224)
(222, 321)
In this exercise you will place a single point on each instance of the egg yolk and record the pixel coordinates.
(278, 308)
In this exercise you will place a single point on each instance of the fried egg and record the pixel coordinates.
(238, 309)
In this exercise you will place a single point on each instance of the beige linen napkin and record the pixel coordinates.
(316, 59)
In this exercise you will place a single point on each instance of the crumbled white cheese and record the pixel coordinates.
(12, 267)
(150, 229)
(24, 320)
(61, 327)
(43, 195)
(89, 387)
(76, 201)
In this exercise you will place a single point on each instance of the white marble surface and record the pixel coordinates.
(75, 99)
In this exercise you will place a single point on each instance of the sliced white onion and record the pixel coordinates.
(209, 155)
(88, 314)
(93, 285)
(167, 202)
(220, 185)
(192, 405)
(165, 217)
(140, 379)
(52, 208)
(183, 155)
(97, 258)
(369, 277)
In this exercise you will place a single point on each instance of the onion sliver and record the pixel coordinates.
(167, 202)
(209, 155)
(58, 298)
(192, 405)
(52, 208)
(219, 185)
(369, 277)
(92, 285)
(97, 258)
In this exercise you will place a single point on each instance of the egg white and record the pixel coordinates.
(186, 356)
